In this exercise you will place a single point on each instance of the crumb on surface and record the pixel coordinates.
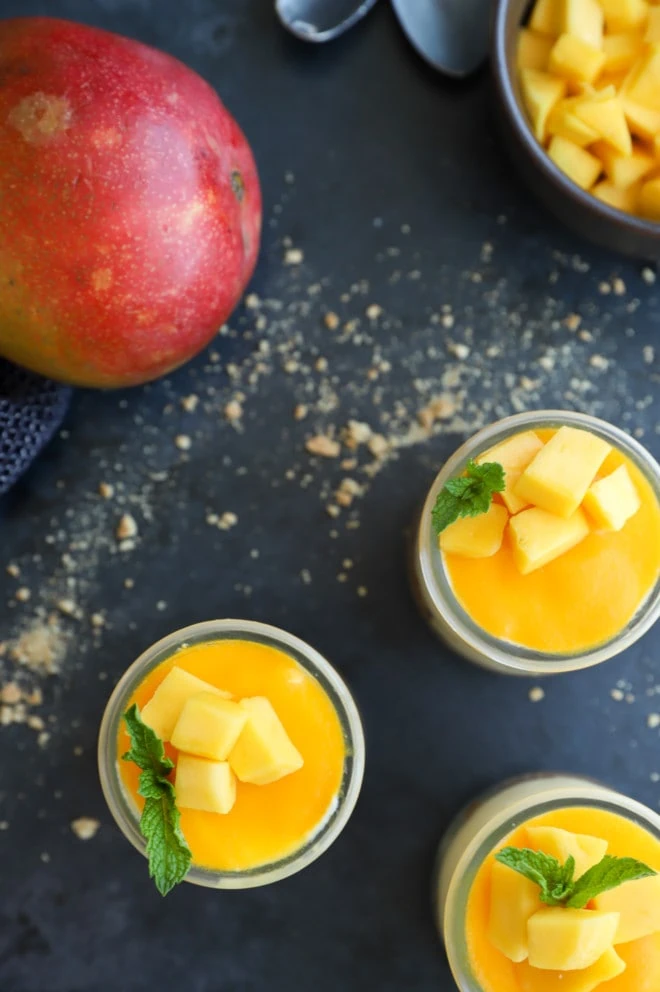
(85, 827)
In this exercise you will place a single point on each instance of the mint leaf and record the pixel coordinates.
(553, 878)
(167, 849)
(469, 495)
(608, 874)
(556, 882)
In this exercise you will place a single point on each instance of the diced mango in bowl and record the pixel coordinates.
(589, 73)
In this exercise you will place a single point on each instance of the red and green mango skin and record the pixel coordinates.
(130, 207)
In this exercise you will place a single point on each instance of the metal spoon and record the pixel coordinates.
(452, 35)
(322, 20)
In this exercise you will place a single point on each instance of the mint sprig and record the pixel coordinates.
(469, 495)
(167, 850)
(557, 883)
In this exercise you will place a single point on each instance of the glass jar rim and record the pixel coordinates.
(508, 655)
(326, 832)
(576, 793)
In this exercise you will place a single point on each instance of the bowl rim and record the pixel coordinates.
(504, 79)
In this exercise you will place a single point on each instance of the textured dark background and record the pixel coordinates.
(374, 142)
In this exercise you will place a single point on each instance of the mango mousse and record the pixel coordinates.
(550, 540)
(570, 902)
(245, 752)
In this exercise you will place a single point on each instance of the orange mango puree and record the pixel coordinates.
(581, 599)
(271, 821)
(495, 973)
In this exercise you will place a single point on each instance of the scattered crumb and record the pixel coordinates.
(374, 311)
(189, 403)
(127, 528)
(648, 275)
(331, 320)
(536, 694)
(293, 256)
(653, 721)
(85, 827)
(300, 411)
(183, 442)
(23, 594)
(323, 445)
(227, 520)
(13, 570)
(617, 695)
(106, 490)
(233, 411)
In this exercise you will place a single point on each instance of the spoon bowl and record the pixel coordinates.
(321, 20)
(452, 35)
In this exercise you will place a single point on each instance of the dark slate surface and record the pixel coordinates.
(375, 142)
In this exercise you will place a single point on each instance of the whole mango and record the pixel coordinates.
(130, 208)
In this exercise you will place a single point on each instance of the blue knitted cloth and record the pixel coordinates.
(31, 410)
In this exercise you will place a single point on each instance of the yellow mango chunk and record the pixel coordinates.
(533, 50)
(624, 170)
(607, 118)
(621, 51)
(653, 26)
(476, 537)
(563, 123)
(562, 939)
(538, 537)
(624, 15)
(559, 476)
(540, 92)
(608, 966)
(583, 168)
(513, 899)
(575, 60)
(620, 199)
(164, 708)
(514, 455)
(562, 844)
(545, 16)
(264, 752)
(613, 500)
(638, 905)
(648, 202)
(209, 726)
(205, 785)
(583, 19)
(643, 85)
(642, 121)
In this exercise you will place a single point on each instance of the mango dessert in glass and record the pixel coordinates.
(550, 884)
(231, 753)
(538, 547)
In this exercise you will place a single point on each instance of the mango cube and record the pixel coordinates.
(562, 939)
(625, 170)
(562, 844)
(583, 168)
(644, 84)
(476, 537)
(638, 905)
(642, 121)
(612, 501)
(538, 537)
(563, 122)
(164, 708)
(621, 51)
(648, 202)
(558, 477)
(545, 17)
(208, 726)
(608, 120)
(575, 60)
(620, 199)
(583, 19)
(540, 92)
(205, 785)
(624, 15)
(607, 967)
(533, 50)
(653, 27)
(514, 455)
(264, 752)
(513, 899)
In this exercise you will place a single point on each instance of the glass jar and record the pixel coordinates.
(484, 825)
(123, 807)
(432, 587)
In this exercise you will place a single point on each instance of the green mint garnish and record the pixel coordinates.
(556, 882)
(469, 495)
(167, 850)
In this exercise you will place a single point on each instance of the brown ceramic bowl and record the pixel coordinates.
(575, 207)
